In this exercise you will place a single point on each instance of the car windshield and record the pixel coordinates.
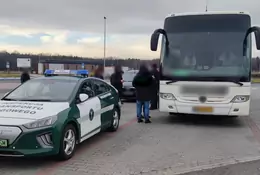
(205, 50)
(43, 90)
(128, 76)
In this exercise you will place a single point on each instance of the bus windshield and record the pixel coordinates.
(206, 47)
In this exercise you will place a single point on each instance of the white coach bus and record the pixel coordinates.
(206, 63)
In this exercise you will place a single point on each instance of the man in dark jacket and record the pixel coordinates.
(116, 79)
(143, 82)
(155, 96)
(25, 76)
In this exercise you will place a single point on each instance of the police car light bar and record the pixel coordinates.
(66, 72)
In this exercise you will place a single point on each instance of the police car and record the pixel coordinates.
(50, 115)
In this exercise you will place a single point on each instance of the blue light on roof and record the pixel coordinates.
(66, 72)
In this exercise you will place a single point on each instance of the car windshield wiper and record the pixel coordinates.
(172, 81)
(9, 99)
(35, 100)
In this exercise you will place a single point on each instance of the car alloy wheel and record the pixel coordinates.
(69, 142)
(115, 119)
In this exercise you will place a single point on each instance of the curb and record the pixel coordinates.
(9, 78)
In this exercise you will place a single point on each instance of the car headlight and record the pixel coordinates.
(41, 123)
(240, 98)
(167, 96)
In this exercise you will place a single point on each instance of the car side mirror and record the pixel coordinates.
(83, 97)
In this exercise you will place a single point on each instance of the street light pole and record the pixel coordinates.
(206, 5)
(105, 31)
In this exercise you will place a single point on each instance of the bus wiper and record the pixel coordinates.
(172, 81)
(236, 82)
(233, 81)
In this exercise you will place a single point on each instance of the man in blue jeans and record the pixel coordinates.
(144, 107)
(143, 82)
(144, 112)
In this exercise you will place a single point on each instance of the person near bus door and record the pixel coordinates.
(25, 76)
(143, 82)
(155, 96)
(116, 79)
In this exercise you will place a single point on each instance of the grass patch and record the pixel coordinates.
(255, 80)
(6, 75)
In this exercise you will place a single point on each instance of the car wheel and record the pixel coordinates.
(115, 121)
(68, 143)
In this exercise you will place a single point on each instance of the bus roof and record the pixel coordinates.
(207, 13)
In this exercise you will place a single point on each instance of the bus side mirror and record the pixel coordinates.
(256, 30)
(155, 39)
(257, 38)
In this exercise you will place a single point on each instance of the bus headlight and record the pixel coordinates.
(167, 96)
(240, 98)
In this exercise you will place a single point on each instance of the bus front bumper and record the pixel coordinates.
(231, 109)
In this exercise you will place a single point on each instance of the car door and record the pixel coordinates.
(90, 116)
(106, 98)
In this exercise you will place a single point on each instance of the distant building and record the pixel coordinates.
(67, 64)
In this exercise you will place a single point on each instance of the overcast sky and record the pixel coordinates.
(76, 26)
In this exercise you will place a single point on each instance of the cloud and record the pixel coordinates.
(8, 30)
(46, 39)
(89, 40)
(76, 27)
(133, 16)
(60, 38)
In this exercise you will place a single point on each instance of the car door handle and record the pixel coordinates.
(111, 98)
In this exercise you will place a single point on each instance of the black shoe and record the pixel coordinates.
(148, 121)
(153, 108)
(140, 121)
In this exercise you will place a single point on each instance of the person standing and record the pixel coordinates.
(99, 72)
(143, 82)
(116, 79)
(25, 76)
(155, 95)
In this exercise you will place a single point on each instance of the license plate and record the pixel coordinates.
(203, 109)
(3, 143)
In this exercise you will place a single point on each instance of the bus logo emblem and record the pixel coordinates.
(202, 99)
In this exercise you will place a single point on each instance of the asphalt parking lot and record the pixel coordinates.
(169, 145)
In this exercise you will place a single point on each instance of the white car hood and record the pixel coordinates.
(21, 112)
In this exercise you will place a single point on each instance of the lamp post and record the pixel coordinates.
(105, 30)
(206, 5)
